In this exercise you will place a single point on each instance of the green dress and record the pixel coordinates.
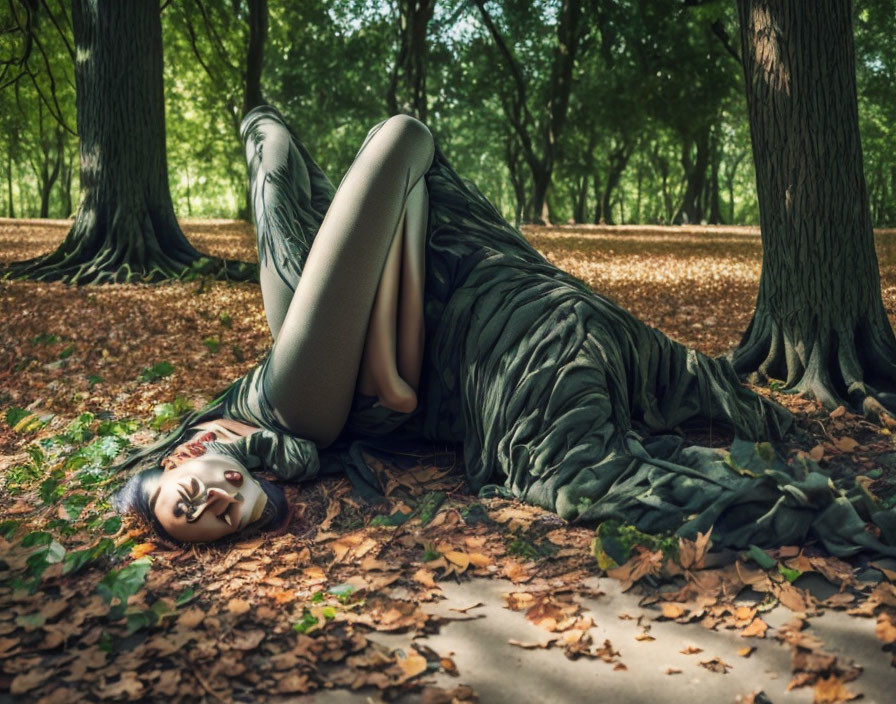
(560, 397)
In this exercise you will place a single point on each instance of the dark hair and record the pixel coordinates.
(133, 497)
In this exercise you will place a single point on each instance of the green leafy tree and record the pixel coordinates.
(125, 228)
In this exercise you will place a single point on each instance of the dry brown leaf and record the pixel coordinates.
(238, 606)
(411, 664)
(461, 559)
(885, 630)
(846, 444)
(716, 664)
(830, 690)
(672, 610)
(190, 618)
(425, 577)
(756, 629)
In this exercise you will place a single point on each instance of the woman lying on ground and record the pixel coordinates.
(419, 313)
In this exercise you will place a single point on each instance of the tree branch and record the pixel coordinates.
(520, 114)
(719, 30)
(69, 47)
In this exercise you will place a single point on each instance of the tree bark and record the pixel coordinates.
(618, 159)
(691, 208)
(407, 88)
(819, 322)
(580, 196)
(11, 210)
(125, 228)
(258, 33)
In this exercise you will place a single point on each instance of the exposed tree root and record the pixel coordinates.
(836, 364)
(126, 252)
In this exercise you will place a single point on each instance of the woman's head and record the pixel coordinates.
(204, 499)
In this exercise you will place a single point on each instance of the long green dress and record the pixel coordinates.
(558, 395)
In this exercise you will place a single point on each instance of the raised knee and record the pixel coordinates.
(411, 138)
(409, 126)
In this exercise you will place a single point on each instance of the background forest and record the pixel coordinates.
(649, 127)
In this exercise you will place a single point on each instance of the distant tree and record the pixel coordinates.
(819, 323)
(539, 133)
(125, 227)
(407, 87)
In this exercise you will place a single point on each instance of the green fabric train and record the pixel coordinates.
(560, 397)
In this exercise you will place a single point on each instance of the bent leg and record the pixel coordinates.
(390, 367)
(290, 196)
(313, 367)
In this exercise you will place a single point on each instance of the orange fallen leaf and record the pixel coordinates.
(411, 665)
(756, 629)
(672, 610)
(142, 549)
(461, 559)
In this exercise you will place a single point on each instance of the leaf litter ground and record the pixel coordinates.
(92, 609)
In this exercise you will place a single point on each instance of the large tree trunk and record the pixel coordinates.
(819, 323)
(125, 228)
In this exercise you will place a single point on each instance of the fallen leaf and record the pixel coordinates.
(411, 665)
(829, 690)
(716, 664)
(238, 606)
(756, 629)
(885, 630)
(672, 610)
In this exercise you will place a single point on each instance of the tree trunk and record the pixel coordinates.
(712, 188)
(618, 159)
(598, 197)
(580, 197)
(407, 88)
(691, 208)
(11, 209)
(125, 228)
(258, 33)
(65, 181)
(819, 322)
(636, 218)
(517, 178)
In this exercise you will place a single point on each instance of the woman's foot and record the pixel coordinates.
(398, 397)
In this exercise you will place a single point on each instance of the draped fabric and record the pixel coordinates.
(560, 397)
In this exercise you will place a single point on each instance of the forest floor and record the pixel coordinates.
(432, 595)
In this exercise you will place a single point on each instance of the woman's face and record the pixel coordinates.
(207, 498)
